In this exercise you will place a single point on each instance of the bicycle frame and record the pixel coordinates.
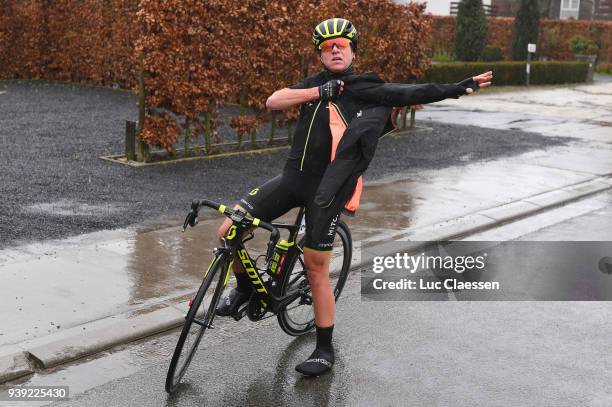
(264, 298)
(234, 246)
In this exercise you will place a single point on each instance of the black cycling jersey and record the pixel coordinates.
(310, 177)
(311, 148)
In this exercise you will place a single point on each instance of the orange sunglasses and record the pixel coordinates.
(341, 43)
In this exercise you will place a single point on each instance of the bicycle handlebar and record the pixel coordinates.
(192, 220)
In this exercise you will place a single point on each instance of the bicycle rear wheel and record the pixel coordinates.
(199, 317)
(298, 317)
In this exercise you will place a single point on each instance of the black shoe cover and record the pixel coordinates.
(318, 363)
(230, 304)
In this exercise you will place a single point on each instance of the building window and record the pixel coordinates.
(486, 6)
(570, 5)
(569, 9)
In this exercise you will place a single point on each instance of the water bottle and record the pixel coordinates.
(277, 262)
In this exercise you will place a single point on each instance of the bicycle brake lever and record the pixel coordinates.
(192, 216)
(194, 221)
(186, 222)
(191, 220)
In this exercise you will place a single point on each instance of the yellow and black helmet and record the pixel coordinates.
(335, 28)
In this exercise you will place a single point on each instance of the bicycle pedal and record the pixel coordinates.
(238, 315)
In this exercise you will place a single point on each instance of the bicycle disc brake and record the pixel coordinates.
(306, 296)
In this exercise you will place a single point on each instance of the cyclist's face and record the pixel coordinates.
(337, 59)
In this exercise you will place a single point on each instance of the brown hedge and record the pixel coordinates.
(83, 41)
(22, 43)
(198, 55)
(195, 60)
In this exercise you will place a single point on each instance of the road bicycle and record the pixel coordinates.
(280, 285)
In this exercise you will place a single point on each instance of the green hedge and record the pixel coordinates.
(492, 53)
(604, 68)
(509, 73)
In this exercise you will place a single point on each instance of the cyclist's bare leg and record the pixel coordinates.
(322, 358)
(317, 264)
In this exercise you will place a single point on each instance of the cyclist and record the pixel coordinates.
(342, 116)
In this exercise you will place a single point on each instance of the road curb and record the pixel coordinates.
(93, 337)
(85, 340)
(14, 363)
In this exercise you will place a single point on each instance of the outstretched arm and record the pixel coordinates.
(399, 94)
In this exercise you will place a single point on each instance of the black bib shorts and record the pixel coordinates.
(293, 189)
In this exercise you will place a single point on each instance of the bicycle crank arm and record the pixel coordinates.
(288, 299)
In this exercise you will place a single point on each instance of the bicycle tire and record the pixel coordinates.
(292, 278)
(176, 371)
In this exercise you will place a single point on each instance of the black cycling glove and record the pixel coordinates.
(329, 90)
(469, 83)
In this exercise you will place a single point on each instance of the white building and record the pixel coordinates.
(446, 7)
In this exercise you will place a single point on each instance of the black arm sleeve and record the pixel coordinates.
(400, 94)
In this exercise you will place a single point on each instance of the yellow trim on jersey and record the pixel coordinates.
(308, 135)
(340, 113)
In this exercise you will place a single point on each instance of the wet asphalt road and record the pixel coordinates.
(54, 185)
(391, 353)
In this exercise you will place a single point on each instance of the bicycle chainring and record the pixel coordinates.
(255, 310)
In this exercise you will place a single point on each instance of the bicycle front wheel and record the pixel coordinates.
(199, 317)
(298, 317)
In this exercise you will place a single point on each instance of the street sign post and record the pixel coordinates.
(531, 49)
